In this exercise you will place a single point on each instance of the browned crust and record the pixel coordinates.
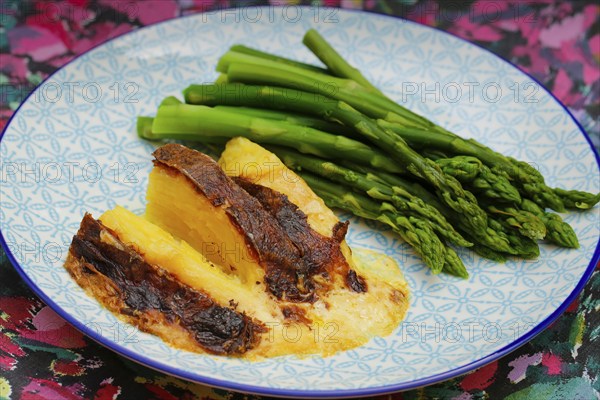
(152, 298)
(276, 253)
(321, 255)
(355, 282)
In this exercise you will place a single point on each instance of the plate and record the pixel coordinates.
(71, 147)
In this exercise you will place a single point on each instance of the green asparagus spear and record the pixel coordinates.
(331, 58)
(560, 232)
(463, 168)
(479, 178)
(521, 246)
(435, 252)
(293, 118)
(245, 68)
(268, 56)
(424, 241)
(527, 179)
(495, 240)
(252, 71)
(418, 190)
(576, 199)
(525, 222)
(342, 69)
(206, 124)
(402, 200)
(453, 265)
(495, 186)
(557, 231)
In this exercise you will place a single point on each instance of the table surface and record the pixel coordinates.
(43, 357)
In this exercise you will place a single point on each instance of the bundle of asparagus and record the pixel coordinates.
(366, 154)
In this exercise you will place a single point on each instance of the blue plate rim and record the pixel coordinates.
(290, 393)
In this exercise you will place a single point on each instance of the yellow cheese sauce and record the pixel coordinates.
(342, 319)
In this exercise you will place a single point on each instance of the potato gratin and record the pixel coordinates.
(237, 258)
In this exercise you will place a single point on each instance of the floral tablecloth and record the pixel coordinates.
(558, 43)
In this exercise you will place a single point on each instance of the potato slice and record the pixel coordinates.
(149, 296)
(246, 159)
(256, 164)
(355, 317)
(187, 265)
(191, 197)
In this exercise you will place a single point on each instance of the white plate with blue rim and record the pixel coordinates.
(72, 147)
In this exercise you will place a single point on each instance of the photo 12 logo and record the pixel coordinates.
(48, 253)
(85, 12)
(277, 11)
(463, 332)
(253, 171)
(450, 11)
(292, 332)
(71, 92)
(454, 92)
(118, 332)
(68, 172)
